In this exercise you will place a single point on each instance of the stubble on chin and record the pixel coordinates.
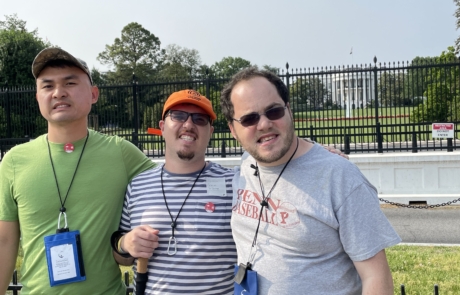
(273, 156)
(185, 155)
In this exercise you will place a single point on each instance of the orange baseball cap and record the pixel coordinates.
(192, 97)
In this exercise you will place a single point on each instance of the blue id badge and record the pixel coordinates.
(64, 257)
(245, 280)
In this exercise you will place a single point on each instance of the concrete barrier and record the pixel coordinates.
(408, 178)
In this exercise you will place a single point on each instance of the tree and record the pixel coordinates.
(310, 91)
(229, 66)
(18, 48)
(269, 68)
(442, 93)
(457, 23)
(137, 51)
(391, 87)
(179, 61)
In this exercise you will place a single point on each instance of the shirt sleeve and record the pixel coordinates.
(135, 161)
(8, 205)
(363, 228)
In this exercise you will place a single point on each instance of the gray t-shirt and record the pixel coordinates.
(323, 214)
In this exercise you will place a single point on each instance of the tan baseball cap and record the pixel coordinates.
(55, 53)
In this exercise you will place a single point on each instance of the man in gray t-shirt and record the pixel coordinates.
(307, 220)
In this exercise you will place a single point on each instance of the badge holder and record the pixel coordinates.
(64, 255)
(245, 280)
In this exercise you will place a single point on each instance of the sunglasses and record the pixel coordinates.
(254, 118)
(181, 117)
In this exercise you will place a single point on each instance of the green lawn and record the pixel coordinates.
(327, 128)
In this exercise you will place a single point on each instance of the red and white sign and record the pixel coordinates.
(442, 130)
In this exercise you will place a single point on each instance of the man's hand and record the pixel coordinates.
(140, 242)
(335, 151)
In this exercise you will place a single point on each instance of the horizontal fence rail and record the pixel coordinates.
(357, 109)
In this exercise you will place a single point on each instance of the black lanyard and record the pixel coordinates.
(172, 239)
(63, 209)
(264, 202)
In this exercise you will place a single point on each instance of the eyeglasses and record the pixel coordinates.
(181, 117)
(254, 118)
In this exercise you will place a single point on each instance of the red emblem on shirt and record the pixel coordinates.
(209, 207)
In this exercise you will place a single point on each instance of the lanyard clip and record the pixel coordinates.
(65, 228)
(173, 243)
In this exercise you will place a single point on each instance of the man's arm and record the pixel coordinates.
(9, 244)
(375, 275)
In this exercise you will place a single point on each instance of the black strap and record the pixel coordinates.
(264, 202)
(174, 220)
(116, 236)
(63, 209)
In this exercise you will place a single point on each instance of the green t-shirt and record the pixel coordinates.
(94, 203)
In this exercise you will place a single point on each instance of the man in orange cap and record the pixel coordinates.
(178, 214)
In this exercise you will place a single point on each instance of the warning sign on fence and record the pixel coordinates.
(442, 130)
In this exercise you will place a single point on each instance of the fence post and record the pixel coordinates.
(436, 290)
(347, 144)
(403, 290)
(414, 142)
(376, 103)
(207, 82)
(312, 135)
(287, 80)
(8, 113)
(223, 151)
(449, 145)
(135, 133)
(15, 281)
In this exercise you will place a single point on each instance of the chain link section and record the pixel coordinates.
(419, 207)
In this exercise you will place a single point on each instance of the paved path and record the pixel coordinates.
(437, 226)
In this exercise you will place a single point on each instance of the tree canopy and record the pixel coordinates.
(136, 52)
(180, 62)
(309, 91)
(442, 101)
(229, 66)
(18, 48)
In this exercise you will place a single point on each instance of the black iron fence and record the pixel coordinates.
(358, 109)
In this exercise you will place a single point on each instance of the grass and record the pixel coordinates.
(327, 129)
(419, 268)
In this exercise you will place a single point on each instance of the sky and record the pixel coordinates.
(303, 33)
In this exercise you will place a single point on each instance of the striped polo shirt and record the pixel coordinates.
(206, 253)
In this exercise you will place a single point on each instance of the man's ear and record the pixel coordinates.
(232, 130)
(94, 94)
(212, 130)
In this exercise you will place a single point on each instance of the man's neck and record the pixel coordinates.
(66, 134)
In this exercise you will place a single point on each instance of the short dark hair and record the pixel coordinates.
(244, 75)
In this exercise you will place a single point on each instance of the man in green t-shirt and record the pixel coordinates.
(70, 174)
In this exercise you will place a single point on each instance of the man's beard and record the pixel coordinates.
(275, 155)
(185, 155)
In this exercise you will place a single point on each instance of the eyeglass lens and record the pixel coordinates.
(197, 118)
(254, 118)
